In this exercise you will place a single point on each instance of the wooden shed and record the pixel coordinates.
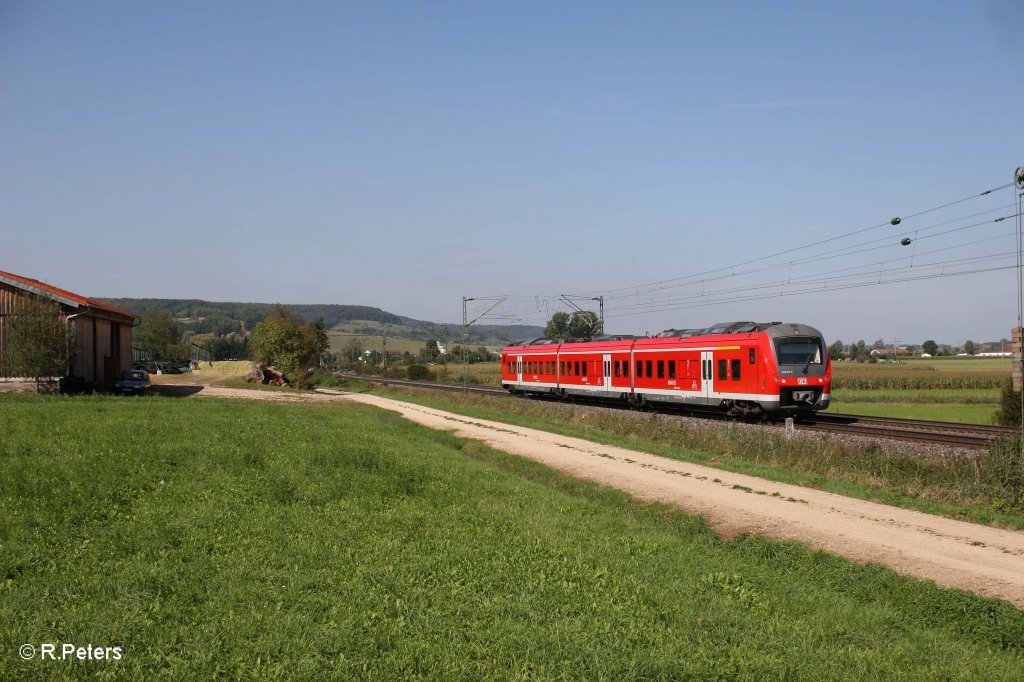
(103, 333)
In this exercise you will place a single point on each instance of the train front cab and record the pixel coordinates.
(801, 373)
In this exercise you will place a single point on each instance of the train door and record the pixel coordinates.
(519, 369)
(608, 372)
(707, 374)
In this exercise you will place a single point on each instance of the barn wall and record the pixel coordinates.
(8, 299)
(126, 348)
(84, 355)
(104, 340)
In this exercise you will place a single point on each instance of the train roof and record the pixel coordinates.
(773, 329)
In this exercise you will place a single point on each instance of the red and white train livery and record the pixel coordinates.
(744, 368)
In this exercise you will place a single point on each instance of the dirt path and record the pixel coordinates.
(988, 561)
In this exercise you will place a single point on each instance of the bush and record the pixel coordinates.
(420, 373)
(1008, 413)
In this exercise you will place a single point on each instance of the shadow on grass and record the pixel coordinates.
(176, 390)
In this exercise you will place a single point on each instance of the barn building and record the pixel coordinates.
(103, 333)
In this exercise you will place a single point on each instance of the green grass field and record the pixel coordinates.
(961, 413)
(230, 539)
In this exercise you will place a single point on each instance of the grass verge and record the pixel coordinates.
(233, 539)
(985, 488)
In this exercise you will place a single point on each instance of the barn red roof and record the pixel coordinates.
(62, 295)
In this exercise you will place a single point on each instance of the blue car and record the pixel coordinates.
(133, 382)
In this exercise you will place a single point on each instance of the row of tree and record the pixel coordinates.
(862, 352)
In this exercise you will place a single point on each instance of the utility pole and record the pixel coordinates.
(465, 327)
(1018, 332)
(600, 299)
(465, 340)
(385, 353)
(444, 356)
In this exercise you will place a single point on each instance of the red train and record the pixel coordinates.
(743, 368)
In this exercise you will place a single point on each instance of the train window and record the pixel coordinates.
(661, 369)
(576, 367)
(639, 369)
(751, 356)
(736, 370)
(671, 369)
(647, 370)
(625, 368)
(617, 368)
(723, 369)
(583, 366)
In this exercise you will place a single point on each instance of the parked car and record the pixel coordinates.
(133, 382)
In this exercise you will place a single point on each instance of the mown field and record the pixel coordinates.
(230, 539)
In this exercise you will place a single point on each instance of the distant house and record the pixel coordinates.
(103, 333)
(883, 352)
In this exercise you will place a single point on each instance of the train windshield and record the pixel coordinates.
(802, 351)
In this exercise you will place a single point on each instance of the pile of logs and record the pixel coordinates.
(264, 374)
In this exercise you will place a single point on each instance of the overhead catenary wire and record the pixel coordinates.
(809, 245)
(671, 293)
(828, 280)
(829, 255)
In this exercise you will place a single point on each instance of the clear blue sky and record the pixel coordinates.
(403, 155)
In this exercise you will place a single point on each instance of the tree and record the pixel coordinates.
(353, 349)
(558, 326)
(283, 341)
(879, 344)
(835, 351)
(38, 340)
(969, 347)
(584, 325)
(430, 350)
(579, 326)
(158, 333)
(321, 341)
(930, 347)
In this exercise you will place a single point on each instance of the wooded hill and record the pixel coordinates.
(217, 317)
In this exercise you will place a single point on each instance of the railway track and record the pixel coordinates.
(913, 430)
